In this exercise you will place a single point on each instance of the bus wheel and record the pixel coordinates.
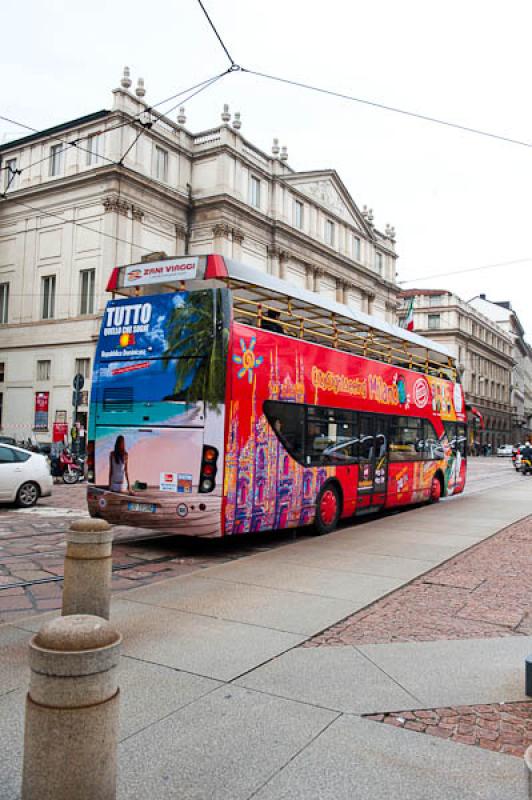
(435, 490)
(328, 508)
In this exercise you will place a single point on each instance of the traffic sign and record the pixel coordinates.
(78, 382)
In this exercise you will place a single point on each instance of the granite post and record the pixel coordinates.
(71, 726)
(88, 563)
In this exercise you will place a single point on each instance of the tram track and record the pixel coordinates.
(59, 578)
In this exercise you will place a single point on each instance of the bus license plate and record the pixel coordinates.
(150, 507)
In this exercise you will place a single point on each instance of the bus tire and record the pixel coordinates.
(436, 488)
(328, 509)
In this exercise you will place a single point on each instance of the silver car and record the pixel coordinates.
(24, 476)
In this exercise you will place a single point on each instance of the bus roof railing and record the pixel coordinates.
(306, 315)
(301, 313)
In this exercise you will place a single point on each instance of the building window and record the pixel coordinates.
(4, 303)
(434, 322)
(379, 262)
(329, 232)
(56, 159)
(298, 213)
(48, 297)
(1, 407)
(161, 164)
(435, 300)
(43, 370)
(87, 277)
(83, 367)
(10, 174)
(93, 149)
(2, 371)
(254, 191)
(356, 248)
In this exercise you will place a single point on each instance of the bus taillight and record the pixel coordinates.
(90, 460)
(208, 469)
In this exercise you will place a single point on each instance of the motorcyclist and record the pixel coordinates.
(526, 450)
(526, 457)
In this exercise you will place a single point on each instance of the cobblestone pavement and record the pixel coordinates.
(484, 592)
(32, 553)
(504, 727)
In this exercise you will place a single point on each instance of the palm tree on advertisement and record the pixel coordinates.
(199, 354)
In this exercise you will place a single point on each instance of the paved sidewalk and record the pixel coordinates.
(219, 702)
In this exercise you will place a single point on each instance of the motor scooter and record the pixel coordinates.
(68, 469)
(525, 467)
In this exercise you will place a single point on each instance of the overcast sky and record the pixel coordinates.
(457, 200)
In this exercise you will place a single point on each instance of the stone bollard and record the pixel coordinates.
(71, 730)
(88, 562)
(528, 773)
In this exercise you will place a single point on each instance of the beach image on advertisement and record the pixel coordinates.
(159, 372)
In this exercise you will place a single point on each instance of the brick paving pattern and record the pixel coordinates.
(32, 549)
(482, 593)
(503, 727)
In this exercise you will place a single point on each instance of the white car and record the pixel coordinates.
(505, 450)
(24, 476)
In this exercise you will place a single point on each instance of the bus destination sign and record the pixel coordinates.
(170, 269)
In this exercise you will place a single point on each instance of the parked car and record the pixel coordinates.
(24, 476)
(505, 450)
(8, 440)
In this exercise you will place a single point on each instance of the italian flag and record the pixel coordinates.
(409, 319)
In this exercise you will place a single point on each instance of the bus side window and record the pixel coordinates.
(433, 448)
(287, 422)
(330, 436)
(461, 439)
(406, 439)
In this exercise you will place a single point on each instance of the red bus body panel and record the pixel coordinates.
(264, 488)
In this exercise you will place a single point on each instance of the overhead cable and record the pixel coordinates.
(467, 269)
(211, 23)
(383, 107)
(78, 224)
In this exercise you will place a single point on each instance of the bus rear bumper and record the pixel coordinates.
(163, 512)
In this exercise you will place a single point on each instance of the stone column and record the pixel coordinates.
(88, 562)
(318, 273)
(221, 235)
(238, 238)
(180, 239)
(273, 254)
(283, 258)
(341, 291)
(309, 279)
(71, 727)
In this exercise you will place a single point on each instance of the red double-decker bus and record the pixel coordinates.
(225, 400)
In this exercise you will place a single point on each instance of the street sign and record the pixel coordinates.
(78, 382)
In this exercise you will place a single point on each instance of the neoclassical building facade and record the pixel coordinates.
(484, 353)
(118, 184)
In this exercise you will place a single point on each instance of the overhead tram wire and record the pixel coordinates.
(85, 226)
(384, 107)
(145, 125)
(467, 269)
(205, 83)
(78, 224)
(149, 124)
(222, 44)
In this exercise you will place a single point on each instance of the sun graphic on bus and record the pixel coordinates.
(248, 359)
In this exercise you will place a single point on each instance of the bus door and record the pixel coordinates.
(372, 460)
